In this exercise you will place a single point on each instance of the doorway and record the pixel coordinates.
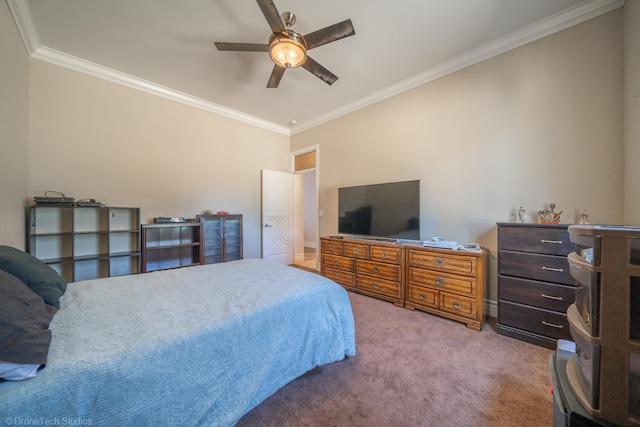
(306, 228)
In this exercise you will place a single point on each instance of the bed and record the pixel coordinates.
(193, 346)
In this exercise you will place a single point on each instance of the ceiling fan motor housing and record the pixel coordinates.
(289, 19)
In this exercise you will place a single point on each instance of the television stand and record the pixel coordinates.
(445, 282)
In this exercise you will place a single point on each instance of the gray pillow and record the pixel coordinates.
(24, 323)
(38, 276)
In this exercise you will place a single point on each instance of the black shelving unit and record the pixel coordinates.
(83, 243)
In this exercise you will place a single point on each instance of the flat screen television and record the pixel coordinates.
(388, 210)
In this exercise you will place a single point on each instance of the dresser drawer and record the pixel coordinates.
(341, 277)
(379, 269)
(549, 296)
(423, 296)
(384, 254)
(536, 320)
(458, 305)
(445, 262)
(442, 281)
(534, 266)
(331, 247)
(380, 286)
(356, 250)
(542, 240)
(340, 262)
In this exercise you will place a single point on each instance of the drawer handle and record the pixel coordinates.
(384, 254)
(553, 325)
(552, 297)
(355, 251)
(376, 270)
(439, 281)
(337, 276)
(439, 262)
(336, 263)
(553, 242)
(558, 270)
(422, 296)
(456, 305)
(376, 286)
(331, 248)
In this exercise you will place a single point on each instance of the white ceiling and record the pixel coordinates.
(166, 47)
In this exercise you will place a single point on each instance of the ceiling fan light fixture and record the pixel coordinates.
(288, 49)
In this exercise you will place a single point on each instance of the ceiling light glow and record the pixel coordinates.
(287, 49)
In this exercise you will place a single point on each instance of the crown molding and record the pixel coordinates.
(580, 13)
(584, 11)
(77, 64)
(21, 13)
(22, 16)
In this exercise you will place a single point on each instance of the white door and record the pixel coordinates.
(277, 216)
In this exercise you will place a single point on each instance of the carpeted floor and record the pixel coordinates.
(416, 369)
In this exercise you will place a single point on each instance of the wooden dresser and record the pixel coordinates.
(535, 287)
(371, 268)
(447, 283)
(439, 281)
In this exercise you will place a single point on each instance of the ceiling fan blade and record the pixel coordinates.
(271, 13)
(242, 47)
(319, 71)
(330, 34)
(276, 76)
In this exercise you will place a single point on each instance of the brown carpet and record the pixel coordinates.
(417, 369)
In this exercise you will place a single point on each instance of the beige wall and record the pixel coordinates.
(632, 111)
(90, 138)
(14, 72)
(536, 125)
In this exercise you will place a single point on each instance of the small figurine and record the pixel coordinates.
(549, 216)
(521, 213)
(584, 217)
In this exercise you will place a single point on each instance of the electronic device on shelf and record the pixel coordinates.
(88, 203)
(439, 242)
(53, 201)
(166, 220)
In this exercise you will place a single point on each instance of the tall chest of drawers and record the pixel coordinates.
(447, 283)
(535, 287)
(370, 268)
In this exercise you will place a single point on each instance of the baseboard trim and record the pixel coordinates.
(491, 308)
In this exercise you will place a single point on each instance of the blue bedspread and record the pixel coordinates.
(193, 346)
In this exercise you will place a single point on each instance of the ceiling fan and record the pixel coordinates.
(287, 48)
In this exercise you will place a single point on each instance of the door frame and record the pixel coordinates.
(298, 200)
